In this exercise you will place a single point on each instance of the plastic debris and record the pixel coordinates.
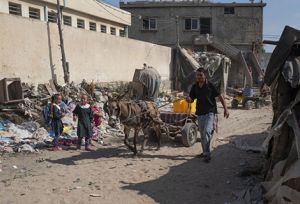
(26, 148)
(40, 134)
(24, 122)
(6, 149)
(95, 195)
(30, 126)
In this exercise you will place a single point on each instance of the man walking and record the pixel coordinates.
(206, 108)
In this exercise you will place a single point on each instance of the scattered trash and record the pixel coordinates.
(74, 188)
(23, 170)
(95, 195)
(40, 160)
(77, 180)
(7, 149)
(30, 126)
(26, 148)
(40, 134)
(15, 167)
(23, 127)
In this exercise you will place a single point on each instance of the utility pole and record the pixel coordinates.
(65, 64)
(177, 31)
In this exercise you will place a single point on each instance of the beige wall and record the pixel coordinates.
(24, 52)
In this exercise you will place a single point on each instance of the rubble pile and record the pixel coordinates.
(22, 138)
(282, 169)
(22, 128)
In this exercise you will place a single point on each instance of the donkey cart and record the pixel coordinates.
(183, 124)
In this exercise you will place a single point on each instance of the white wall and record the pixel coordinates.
(73, 14)
(24, 52)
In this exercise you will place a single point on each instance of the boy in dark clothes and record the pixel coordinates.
(85, 119)
(56, 122)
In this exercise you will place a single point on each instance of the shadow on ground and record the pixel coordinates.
(112, 152)
(99, 153)
(197, 182)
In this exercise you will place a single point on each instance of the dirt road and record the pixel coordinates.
(110, 174)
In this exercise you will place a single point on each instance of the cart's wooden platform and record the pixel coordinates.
(175, 118)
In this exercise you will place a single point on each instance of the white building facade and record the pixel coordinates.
(83, 14)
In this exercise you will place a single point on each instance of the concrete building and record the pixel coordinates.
(232, 29)
(163, 22)
(88, 14)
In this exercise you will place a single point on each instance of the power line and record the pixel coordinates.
(101, 4)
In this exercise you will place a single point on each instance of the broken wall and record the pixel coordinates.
(29, 49)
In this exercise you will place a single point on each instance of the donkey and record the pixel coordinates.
(133, 115)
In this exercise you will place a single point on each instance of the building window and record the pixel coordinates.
(191, 24)
(205, 25)
(67, 20)
(113, 31)
(34, 13)
(122, 33)
(149, 24)
(103, 29)
(52, 17)
(80, 23)
(15, 9)
(229, 10)
(93, 26)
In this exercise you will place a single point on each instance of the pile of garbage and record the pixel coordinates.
(22, 112)
(22, 126)
(25, 137)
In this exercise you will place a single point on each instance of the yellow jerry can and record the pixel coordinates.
(182, 106)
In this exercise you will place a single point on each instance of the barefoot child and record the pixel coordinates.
(85, 119)
(56, 122)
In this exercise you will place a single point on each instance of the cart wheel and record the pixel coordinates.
(249, 105)
(189, 134)
(258, 104)
(234, 104)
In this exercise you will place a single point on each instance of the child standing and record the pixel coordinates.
(56, 122)
(97, 120)
(97, 114)
(84, 114)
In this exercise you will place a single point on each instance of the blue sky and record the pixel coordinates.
(277, 14)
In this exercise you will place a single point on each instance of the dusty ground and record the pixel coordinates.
(172, 175)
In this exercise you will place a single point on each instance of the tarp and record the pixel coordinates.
(283, 178)
(184, 66)
(150, 79)
(183, 70)
(281, 53)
